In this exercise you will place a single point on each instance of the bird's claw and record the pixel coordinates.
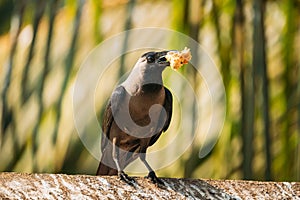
(152, 176)
(127, 179)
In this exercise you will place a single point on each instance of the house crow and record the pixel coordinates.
(138, 111)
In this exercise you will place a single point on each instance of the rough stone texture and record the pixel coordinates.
(258, 190)
(59, 186)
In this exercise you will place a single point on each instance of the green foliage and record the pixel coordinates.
(6, 10)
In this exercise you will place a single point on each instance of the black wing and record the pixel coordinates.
(116, 97)
(168, 105)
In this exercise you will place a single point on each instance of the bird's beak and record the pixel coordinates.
(162, 60)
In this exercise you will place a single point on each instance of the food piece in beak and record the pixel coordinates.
(178, 58)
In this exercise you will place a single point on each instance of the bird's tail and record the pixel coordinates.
(106, 170)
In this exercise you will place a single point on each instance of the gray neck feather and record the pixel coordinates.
(140, 76)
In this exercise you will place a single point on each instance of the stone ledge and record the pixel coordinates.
(61, 186)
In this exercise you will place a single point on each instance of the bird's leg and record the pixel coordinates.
(122, 175)
(152, 176)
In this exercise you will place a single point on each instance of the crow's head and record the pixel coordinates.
(147, 70)
(149, 67)
(154, 60)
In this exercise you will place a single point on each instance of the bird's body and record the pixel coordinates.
(138, 111)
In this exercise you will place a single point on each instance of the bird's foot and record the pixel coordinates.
(152, 176)
(127, 179)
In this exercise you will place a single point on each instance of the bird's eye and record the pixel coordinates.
(150, 59)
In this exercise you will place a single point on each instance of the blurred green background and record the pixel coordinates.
(256, 45)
